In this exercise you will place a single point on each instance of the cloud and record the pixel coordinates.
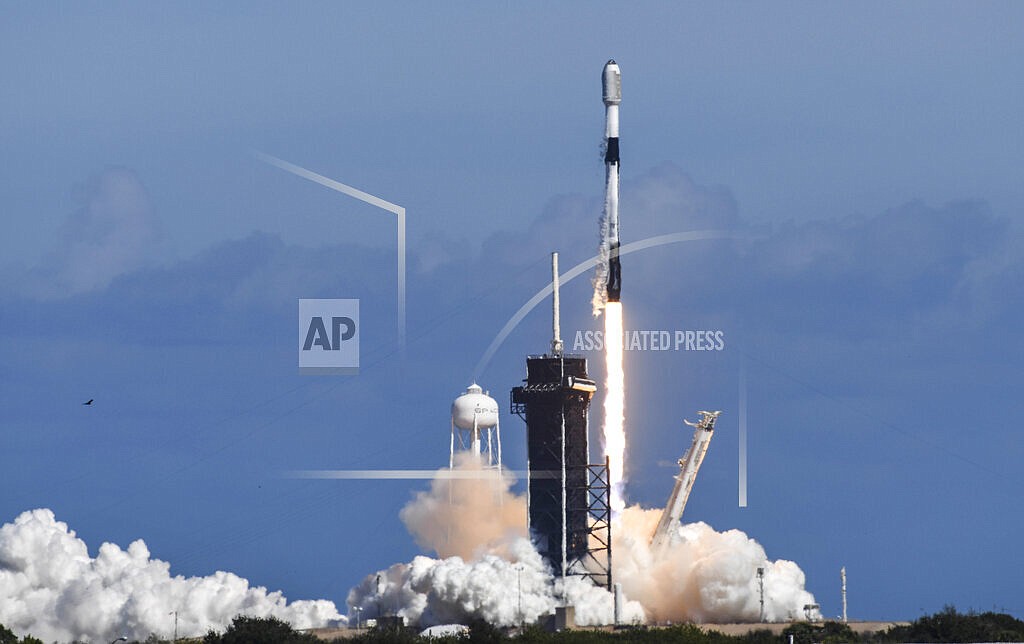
(50, 587)
(832, 275)
(662, 200)
(114, 232)
(899, 263)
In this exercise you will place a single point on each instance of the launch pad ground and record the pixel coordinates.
(776, 628)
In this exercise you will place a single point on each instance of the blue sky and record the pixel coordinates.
(870, 154)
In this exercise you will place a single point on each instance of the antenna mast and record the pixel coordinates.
(556, 332)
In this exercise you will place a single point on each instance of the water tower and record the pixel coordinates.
(475, 427)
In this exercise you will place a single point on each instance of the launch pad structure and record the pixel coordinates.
(570, 518)
(689, 465)
(569, 504)
(569, 498)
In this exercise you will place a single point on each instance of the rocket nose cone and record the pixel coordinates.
(611, 83)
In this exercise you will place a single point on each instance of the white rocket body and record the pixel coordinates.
(611, 83)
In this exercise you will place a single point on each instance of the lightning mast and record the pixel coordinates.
(689, 464)
(842, 577)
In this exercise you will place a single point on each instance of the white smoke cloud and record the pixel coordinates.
(51, 588)
(502, 591)
(487, 568)
(704, 575)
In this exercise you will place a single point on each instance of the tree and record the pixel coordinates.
(948, 625)
(259, 630)
(8, 637)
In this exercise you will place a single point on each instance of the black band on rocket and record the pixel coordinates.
(611, 154)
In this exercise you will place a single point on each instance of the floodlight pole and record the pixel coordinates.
(760, 583)
(519, 583)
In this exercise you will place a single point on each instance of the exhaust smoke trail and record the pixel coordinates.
(615, 405)
(600, 280)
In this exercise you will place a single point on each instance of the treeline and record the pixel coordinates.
(948, 625)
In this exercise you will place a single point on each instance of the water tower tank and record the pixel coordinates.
(474, 409)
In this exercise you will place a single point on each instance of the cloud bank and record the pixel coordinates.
(50, 587)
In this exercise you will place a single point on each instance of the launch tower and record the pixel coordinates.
(689, 465)
(569, 513)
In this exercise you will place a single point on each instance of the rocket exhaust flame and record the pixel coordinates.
(614, 404)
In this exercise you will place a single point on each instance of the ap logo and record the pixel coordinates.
(329, 337)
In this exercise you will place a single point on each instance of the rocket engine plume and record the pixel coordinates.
(615, 404)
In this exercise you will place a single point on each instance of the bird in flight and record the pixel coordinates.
(88, 402)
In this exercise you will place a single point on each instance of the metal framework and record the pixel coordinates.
(595, 563)
(569, 504)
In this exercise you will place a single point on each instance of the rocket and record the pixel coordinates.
(611, 82)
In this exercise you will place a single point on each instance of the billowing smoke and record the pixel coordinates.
(487, 568)
(52, 588)
(703, 575)
(437, 519)
(502, 591)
